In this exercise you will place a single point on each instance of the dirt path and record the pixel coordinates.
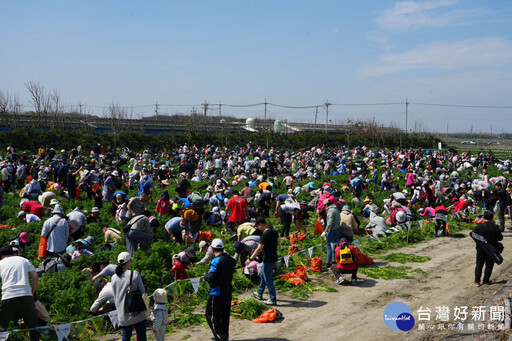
(356, 312)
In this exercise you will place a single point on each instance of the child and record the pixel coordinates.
(80, 250)
(159, 314)
(178, 270)
(163, 205)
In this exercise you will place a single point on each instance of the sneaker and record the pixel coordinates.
(354, 282)
(340, 280)
(269, 302)
(256, 295)
(476, 284)
(488, 282)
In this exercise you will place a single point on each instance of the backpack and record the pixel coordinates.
(345, 255)
(422, 195)
(198, 206)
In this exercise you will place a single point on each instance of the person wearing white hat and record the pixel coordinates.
(56, 230)
(46, 198)
(122, 280)
(220, 277)
(159, 314)
(28, 217)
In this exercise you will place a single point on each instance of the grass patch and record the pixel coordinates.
(390, 272)
(418, 270)
(387, 272)
(403, 258)
(187, 320)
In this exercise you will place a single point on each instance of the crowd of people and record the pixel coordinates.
(238, 190)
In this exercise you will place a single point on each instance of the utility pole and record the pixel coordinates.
(446, 130)
(205, 108)
(326, 114)
(265, 122)
(80, 106)
(156, 110)
(316, 115)
(406, 109)
(265, 115)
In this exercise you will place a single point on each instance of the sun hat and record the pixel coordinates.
(203, 244)
(160, 296)
(54, 202)
(123, 257)
(95, 209)
(401, 217)
(89, 240)
(58, 210)
(24, 237)
(115, 173)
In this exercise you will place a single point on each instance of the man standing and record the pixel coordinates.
(332, 230)
(220, 277)
(269, 242)
(238, 212)
(501, 204)
(56, 230)
(486, 235)
(17, 293)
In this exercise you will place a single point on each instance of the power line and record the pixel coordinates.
(464, 106)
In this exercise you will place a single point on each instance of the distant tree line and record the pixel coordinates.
(32, 139)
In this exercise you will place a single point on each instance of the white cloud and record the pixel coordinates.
(381, 41)
(407, 15)
(490, 52)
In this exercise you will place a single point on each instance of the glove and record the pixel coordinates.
(323, 235)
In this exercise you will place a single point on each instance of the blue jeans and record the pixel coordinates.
(267, 280)
(333, 237)
(140, 329)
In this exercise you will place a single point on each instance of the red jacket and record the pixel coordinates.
(345, 266)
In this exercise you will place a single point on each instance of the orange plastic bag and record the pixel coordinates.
(43, 247)
(205, 235)
(266, 316)
(316, 264)
(318, 227)
(361, 258)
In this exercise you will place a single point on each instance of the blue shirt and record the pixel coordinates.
(173, 225)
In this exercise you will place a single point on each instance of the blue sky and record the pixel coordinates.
(296, 53)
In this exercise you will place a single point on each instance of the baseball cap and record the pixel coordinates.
(21, 213)
(239, 246)
(123, 257)
(217, 244)
(488, 215)
(202, 244)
